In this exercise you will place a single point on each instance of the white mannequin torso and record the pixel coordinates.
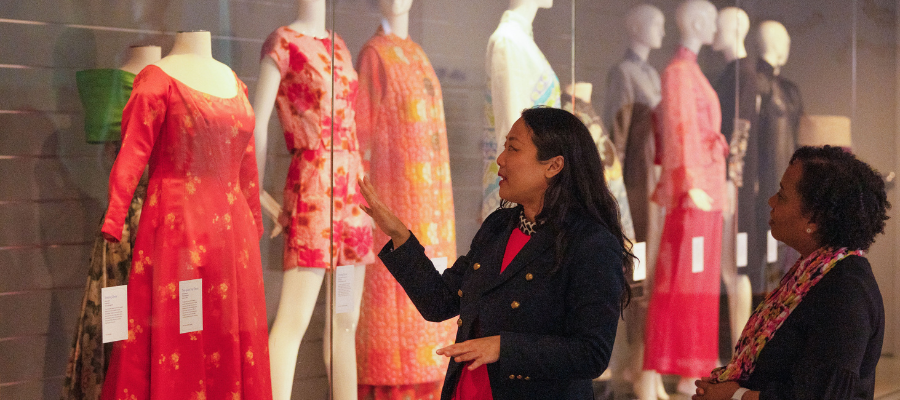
(140, 57)
(191, 63)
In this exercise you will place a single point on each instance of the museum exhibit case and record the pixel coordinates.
(417, 95)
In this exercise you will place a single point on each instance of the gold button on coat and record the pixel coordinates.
(459, 322)
(514, 305)
(476, 266)
(529, 276)
(520, 377)
(512, 377)
(527, 378)
(459, 292)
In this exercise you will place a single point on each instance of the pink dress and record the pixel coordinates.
(200, 220)
(402, 133)
(682, 320)
(304, 105)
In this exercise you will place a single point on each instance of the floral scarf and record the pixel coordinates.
(769, 316)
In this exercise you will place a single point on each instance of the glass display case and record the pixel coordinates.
(418, 95)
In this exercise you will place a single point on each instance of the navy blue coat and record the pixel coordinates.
(556, 328)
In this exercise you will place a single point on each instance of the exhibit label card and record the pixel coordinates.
(640, 265)
(190, 305)
(114, 313)
(440, 264)
(343, 289)
(741, 252)
(697, 254)
(771, 248)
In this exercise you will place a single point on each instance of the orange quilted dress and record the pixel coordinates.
(402, 133)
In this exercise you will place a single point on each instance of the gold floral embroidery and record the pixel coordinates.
(249, 357)
(170, 290)
(174, 360)
(199, 395)
(227, 221)
(139, 262)
(223, 290)
(153, 199)
(170, 220)
(127, 396)
(192, 182)
(162, 359)
(194, 337)
(196, 254)
(214, 359)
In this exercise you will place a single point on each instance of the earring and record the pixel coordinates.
(808, 230)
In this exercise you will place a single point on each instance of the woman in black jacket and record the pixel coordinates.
(819, 334)
(541, 289)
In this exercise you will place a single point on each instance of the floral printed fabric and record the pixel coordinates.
(402, 132)
(777, 307)
(110, 264)
(304, 105)
(200, 220)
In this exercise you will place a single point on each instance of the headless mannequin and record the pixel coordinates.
(140, 57)
(190, 62)
(696, 21)
(733, 24)
(300, 286)
(775, 44)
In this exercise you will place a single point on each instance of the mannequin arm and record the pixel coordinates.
(263, 103)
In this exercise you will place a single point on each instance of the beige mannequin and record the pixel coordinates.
(300, 286)
(696, 20)
(734, 24)
(395, 17)
(645, 25)
(646, 29)
(774, 43)
(140, 57)
(191, 63)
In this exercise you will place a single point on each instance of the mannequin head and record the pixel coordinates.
(733, 24)
(393, 8)
(774, 43)
(696, 20)
(646, 26)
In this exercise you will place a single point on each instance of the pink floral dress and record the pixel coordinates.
(322, 142)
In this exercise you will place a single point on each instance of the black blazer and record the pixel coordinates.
(556, 329)
(828, 347)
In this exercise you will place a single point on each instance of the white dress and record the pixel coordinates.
(519, 77)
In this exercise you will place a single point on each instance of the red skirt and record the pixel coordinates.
(683, 316)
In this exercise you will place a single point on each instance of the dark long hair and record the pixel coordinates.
(579, 187)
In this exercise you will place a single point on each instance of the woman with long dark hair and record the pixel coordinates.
(541, 289)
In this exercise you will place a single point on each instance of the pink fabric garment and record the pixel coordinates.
(682, 319)
(691, 148)
(403, 137)
(476, 385)
(315, 105)
(683, 316)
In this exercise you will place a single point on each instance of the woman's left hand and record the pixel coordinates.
(479, 351)
(706, 390)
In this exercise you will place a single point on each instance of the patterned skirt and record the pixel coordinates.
(110, 265)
